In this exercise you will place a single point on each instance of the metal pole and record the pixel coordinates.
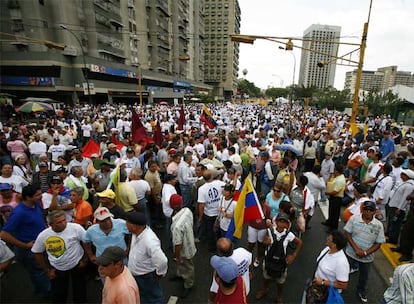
(139, 84)
(85, 69)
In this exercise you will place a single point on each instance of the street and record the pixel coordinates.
(16, 286)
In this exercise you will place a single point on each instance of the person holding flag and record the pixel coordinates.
(207, 118)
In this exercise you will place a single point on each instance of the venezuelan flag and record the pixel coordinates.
(247, 208)
(207, 118)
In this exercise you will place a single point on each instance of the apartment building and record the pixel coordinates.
(222, 18)
(379, 80)
(322, 40)
(66, 49)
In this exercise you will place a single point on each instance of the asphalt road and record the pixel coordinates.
(16, 286)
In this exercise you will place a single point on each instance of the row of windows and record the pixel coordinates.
(219, 21)
(215, 50)
(219, 28)
(213, 5)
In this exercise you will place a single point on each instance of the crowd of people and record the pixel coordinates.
(65, 214)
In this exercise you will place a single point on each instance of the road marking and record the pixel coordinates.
(172, 300)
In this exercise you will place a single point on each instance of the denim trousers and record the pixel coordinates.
(394, 224)
(211, 235)
(186, 195)
(40, 281)
(364, 269)
(149, 288)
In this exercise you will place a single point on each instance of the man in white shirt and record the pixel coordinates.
(37, 148)
(243, 259)
(80, 161)
(130, 160)
(186, 178)
(147, 262)
(141, 187)
(208, 201)
(56, 150)
(62, 243)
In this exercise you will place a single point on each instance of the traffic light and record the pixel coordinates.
(289, 45)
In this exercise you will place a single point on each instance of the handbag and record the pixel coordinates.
(312, 293)
(334, 296)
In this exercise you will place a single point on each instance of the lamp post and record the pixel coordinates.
(294, 71)
(85, 69)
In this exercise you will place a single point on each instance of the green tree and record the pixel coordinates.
(379, 103)
(277, 92)
(246, 87)
(330, 98)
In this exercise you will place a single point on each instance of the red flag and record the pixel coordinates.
(90, 148)
(138, 130)
(158, 137)
(116, 142)
(181, 119)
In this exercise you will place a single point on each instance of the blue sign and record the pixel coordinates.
(113, 71)
(183, 84)
(27, 81)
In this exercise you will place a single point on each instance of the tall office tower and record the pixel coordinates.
(54, 48)
(222, 18)
(323, 41)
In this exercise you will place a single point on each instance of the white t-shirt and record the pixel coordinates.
(210, 195)
(333, 267)
(141, 187)
(167, 191)
(86, 130)
(61, 201)
(372, 171)
(228, 208)
(64, 249)
(16, 181)
(56, 151)
(37, 147)
(243, 259)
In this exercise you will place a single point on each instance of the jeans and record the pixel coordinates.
(60, 285)
(394, 224)
(143, 204)
(363, 274)
(149, 288)
(186, 195)
(40, 281)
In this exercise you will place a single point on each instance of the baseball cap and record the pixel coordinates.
(176, 201)
(172, 151)
(373, 148)
(136, 218)
(282, 217)
(102, 213)
(5, 186)
(77, 151)
(408, 172)
(225, 267)
(106, 193)
(370, 205)
(111, 145)
(111, 254)
(129, 150)
(56, 179)
(94, 155)
(169, 177)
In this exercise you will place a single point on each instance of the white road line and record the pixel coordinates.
(172, 300)
(324, 208)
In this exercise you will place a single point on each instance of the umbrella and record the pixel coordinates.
(32, 106)
(37, 99)
(289, 147)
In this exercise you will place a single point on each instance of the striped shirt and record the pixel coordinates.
(364, 235)
(401, 290)
(182, 232)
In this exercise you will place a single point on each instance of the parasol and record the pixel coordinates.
(32, 106)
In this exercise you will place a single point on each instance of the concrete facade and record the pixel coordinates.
(115, 41)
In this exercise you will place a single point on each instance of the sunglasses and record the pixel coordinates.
(56, 183)
(277, 190)
(369, 209)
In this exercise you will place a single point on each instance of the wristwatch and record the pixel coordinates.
(323, 282)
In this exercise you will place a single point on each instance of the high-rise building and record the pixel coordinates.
(379, 80)
(323, 41)
(111, 42)
(221, 58)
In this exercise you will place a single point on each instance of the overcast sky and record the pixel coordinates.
(390, 35)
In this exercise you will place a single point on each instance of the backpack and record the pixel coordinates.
(275, 259)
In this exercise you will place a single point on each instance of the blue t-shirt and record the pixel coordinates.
(274, 204)
(25, 223)
(116, 237)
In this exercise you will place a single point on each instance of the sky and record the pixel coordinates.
(390, 39)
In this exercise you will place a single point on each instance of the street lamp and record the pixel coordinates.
(85, 69)
(294, 67)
